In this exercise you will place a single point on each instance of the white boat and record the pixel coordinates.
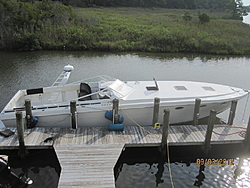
(94, 96)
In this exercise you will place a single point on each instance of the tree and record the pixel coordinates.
(236, 9)
(203, 18)
(240, 9)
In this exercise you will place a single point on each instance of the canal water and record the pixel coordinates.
(147, 168)
(27, 70)
(40, 166)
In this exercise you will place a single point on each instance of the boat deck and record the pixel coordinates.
(88, 154)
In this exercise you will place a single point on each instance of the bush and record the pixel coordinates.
(203, 18)
(187, 16)
(26, 42)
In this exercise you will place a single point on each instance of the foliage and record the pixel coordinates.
(234, 8)
(22, 23)
(240, 9)
(203, 18)
(172, 4)
(47, 25)
(187, 16)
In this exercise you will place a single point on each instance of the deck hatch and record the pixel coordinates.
(207, 88)
(183, 88)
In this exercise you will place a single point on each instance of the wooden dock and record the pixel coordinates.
(132, 136)
(88, 166)
(88, 154)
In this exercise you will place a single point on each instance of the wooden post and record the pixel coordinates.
(29, 116)
(165, 131)
(232, 112)
(115, 111)
(156, 111)
(73, 114)
(20, 133)
(196, 111)
(246, 142)
(206, 147)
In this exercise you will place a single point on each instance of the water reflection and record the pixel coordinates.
(153, 170)
(160, 171)
(40, 165)
(187, 56)
(242, 172)
(238, 170)
(200, 177)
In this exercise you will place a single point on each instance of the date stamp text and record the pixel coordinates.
(213, 161)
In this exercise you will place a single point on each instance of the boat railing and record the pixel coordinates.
(82, 104)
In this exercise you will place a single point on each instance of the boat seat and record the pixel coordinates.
(95, 86)
(84, 90)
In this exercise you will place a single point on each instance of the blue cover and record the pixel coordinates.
(109, 115)
(116, 127)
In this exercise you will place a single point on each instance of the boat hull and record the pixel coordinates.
(136, 102)
(95, 116)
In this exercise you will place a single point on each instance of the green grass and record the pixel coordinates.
(139, 29)
(161, 30)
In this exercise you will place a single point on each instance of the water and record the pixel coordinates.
(40, 165)
(146, 168)
(143, 175)
(29, 70)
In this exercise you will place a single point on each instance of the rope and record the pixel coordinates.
(55, 122)
(238, 132)
(139, 125)
(168, 156)
(169, 169)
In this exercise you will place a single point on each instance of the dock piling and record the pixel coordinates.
(196, 111)
(246, 142)
(29, 116)
(156, 111)
(211, 120)
(73, 114)
(232, 112)
(165, 131)
(115, 111)
(20, 133)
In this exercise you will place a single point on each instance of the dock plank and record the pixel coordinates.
(179, 134)
(88, 166)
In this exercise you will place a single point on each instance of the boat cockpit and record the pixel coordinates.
(62, 95)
